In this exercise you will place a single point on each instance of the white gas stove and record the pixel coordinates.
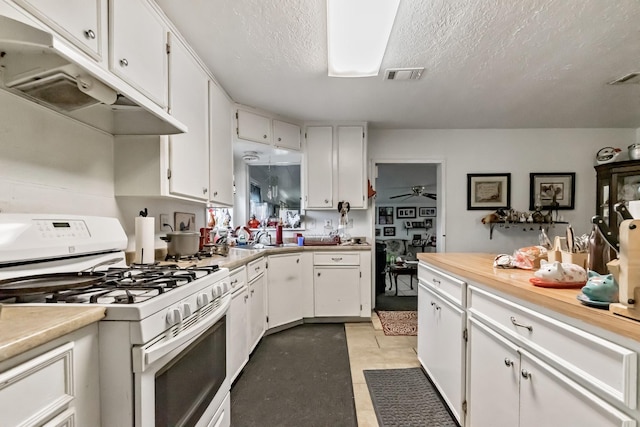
(159, 317)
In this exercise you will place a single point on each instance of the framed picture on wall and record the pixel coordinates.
(406, 212)
(426, 212)
(389, 231)
(385, 215)
(554, 190)
(486, 191)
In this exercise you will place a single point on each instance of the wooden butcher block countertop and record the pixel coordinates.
(478, 267)
(23, 328)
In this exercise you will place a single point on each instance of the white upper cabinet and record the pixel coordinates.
(286, 135)
(351, 166)
(267, 130)
(221, 150)
(335, 166)
(189, 103)
(319, 167)
(138, 47)
(253, 127)
(84, 27)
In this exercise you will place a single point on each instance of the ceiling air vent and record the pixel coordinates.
(403, 73)
(628, 79)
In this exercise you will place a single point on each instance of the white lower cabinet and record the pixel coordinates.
(336, 291)
(238, 351)
(441, 325)
(507, 386)
(284, 283)
(257, 309)
(55, 384)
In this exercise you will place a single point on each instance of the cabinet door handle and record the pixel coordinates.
(508, 362)
(246, 297)
(252, 291)
(433, 304)
(215, 193)
(234, 281)
(204, 190)
(264, 136)
(326, 200)
(89, 34)
(297, 260)
(279, 139)
(521, 325)
(124, 62)
(525, 374)
(318, 274)
(436, 281)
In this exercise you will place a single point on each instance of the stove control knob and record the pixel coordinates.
(202, 300)
(216, 292)
(186, 310)
(225, 288)
(174, 316)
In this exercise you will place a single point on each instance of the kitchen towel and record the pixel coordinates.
(145, 247)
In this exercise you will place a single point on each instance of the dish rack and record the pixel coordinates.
(321, 240)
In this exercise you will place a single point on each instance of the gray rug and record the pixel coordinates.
(406, 397)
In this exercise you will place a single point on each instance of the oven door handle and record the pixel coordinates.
(146, 356)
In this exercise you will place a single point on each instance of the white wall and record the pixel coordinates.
(518, 151)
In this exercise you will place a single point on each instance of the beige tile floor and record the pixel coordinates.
(370, 348)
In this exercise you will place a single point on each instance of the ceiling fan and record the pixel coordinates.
(416, 190)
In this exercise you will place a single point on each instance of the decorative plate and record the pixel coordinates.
(591, 303)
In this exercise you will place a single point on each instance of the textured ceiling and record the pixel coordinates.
(488, 63)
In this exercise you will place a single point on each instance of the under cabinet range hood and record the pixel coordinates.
(39, 66)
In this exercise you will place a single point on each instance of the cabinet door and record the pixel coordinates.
(286, 135)
(189, 103)
(257, 312)
(238, 352)
(137, 44)
(319, 167)
(494, 364)
(254, 127)
(548, 398)
(336, 291)
(440, 346)
(284, 289)
(221, 149)
(82, 27)
(351, 162)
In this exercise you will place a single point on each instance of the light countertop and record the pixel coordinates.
(478, 267)
(23, 328)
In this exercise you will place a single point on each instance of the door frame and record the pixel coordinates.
(440, 206)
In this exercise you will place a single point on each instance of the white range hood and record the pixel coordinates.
(39, 66)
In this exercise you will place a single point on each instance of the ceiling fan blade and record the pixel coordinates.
(401, 195)
(431, 195)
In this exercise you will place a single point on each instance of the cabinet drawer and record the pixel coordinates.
(336, 258)
(256, 268)
(451, 287)
(238, 278)
(34, 390)
(606, 366)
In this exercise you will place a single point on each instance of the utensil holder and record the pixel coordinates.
(555, 253)
(578, 258)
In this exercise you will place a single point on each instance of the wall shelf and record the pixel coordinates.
(526, 226)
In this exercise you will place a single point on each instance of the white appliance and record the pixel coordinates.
(164, 338)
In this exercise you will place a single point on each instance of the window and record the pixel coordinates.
(274, 193)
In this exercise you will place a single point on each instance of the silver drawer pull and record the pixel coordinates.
(124, 62)
(508, 361)
(336, 259)
(89, 34)
(436, 281)
(525, 374)
(521, 325)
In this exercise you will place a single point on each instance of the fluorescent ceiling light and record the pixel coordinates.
(357, 33)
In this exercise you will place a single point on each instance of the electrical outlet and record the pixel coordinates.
(327, 223)
(164, 221)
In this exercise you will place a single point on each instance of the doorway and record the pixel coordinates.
(408, 219)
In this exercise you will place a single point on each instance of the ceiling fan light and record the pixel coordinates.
(357, 33)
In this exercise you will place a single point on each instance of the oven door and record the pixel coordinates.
(180, 379)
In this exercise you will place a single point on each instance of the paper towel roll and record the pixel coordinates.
(634, 208)
(145, 247)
